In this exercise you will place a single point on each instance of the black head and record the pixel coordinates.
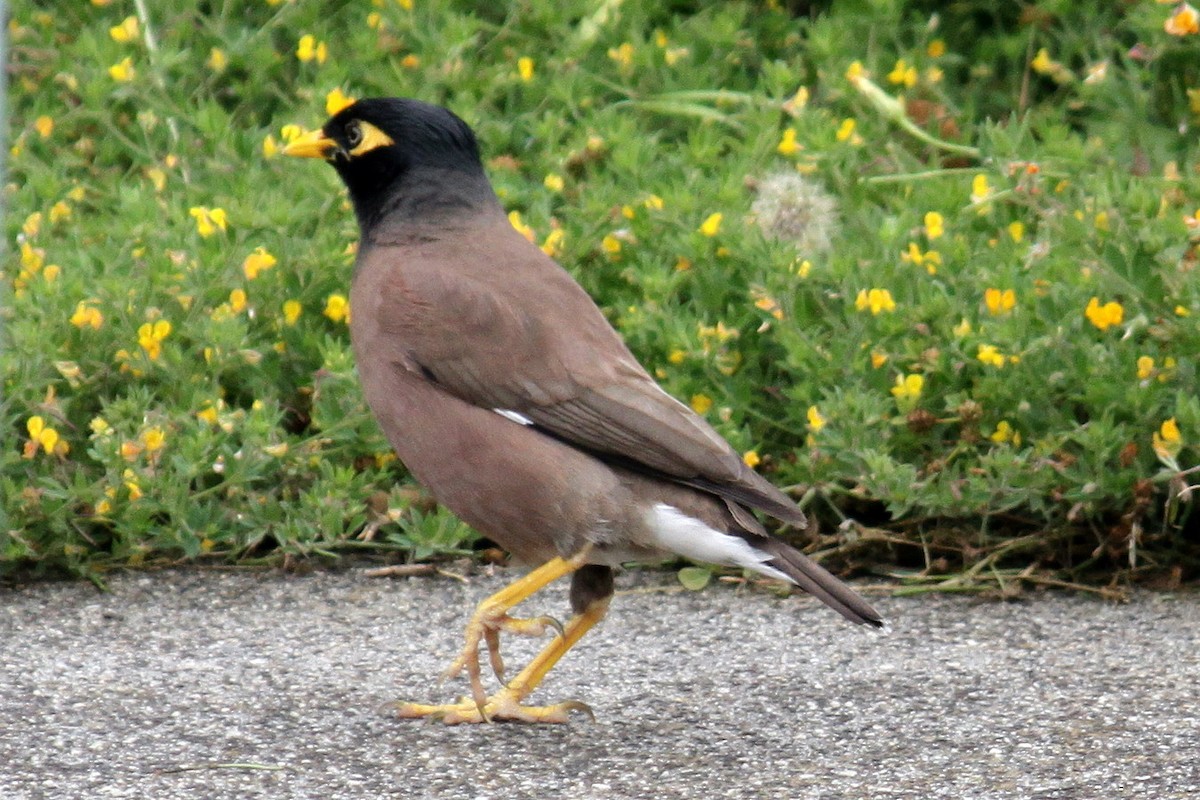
(393, 151)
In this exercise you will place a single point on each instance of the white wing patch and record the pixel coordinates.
(509, 414)
(677, 532)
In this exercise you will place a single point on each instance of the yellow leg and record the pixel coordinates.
(506, 703)
(491, 617)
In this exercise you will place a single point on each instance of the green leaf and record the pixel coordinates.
(694, 578)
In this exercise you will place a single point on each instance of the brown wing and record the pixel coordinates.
(527, 339)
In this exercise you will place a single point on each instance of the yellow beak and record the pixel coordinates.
(314, 144)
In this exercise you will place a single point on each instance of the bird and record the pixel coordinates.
(508, 395)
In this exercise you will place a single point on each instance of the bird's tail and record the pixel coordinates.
(817, 581)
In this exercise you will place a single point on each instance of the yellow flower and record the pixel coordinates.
(122, 71)
(1183, 21)
(375, 21)
(712, 224)
(337, 308)
(1145, 367)
(157, 177)
(217, 60)
(751, 458)
(719, 332)
(962, 328)
(876, 300)
(553, 245)
(32, 258)
(878, 359)
(309, 49)
(127, 31)
(1042, 64)
(903, 74)
(1167, 441)
(1104, 316)
(59, 211)
(208, 414)
(990, 355)
(1016, 230)
(410, 61)
(999, 302)
(525, 68)
(931, 259)
(407, 5)
(130, 479)
(980, 190)
(797, 102)
(1004, 433)
(846, 129)
(153, 439)
(42, 435)
(701, 403)
(336, 100)
(86, 315)
(934, 225)
(672, 55)
(44, 126)
(855, 72)
(33, 224)
(270, 147)
(765, 302)
(237, 300)
(787, 145)
(99, 426)
(907, 391)
(611, 245)
(256, 262)
(815, 420)
(936, 49)
(553, 182)
(1101, 221)
(623, 55)
(208, 220)
(676, 356)
(151, 335)
(291, 311)
(514, 218)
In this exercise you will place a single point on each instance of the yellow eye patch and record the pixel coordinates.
(372, 138)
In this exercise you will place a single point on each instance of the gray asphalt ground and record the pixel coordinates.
(213, 685)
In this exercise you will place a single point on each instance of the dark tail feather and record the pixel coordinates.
(817, 581)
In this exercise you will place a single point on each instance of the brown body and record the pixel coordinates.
(541, 497)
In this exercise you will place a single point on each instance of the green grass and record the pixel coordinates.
(1034, 434)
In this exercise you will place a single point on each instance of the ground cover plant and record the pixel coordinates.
(935, 265)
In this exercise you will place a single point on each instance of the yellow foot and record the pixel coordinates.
(486, 625)
(503, 706)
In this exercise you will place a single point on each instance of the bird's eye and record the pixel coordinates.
(354, 134)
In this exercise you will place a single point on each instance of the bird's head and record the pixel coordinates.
(388, 149)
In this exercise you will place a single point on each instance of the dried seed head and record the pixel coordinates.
(794, 209)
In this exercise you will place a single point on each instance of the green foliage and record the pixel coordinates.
(169, 394)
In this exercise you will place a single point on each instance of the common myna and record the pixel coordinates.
(508, 395)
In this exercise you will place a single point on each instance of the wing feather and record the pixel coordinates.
(581, 385)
